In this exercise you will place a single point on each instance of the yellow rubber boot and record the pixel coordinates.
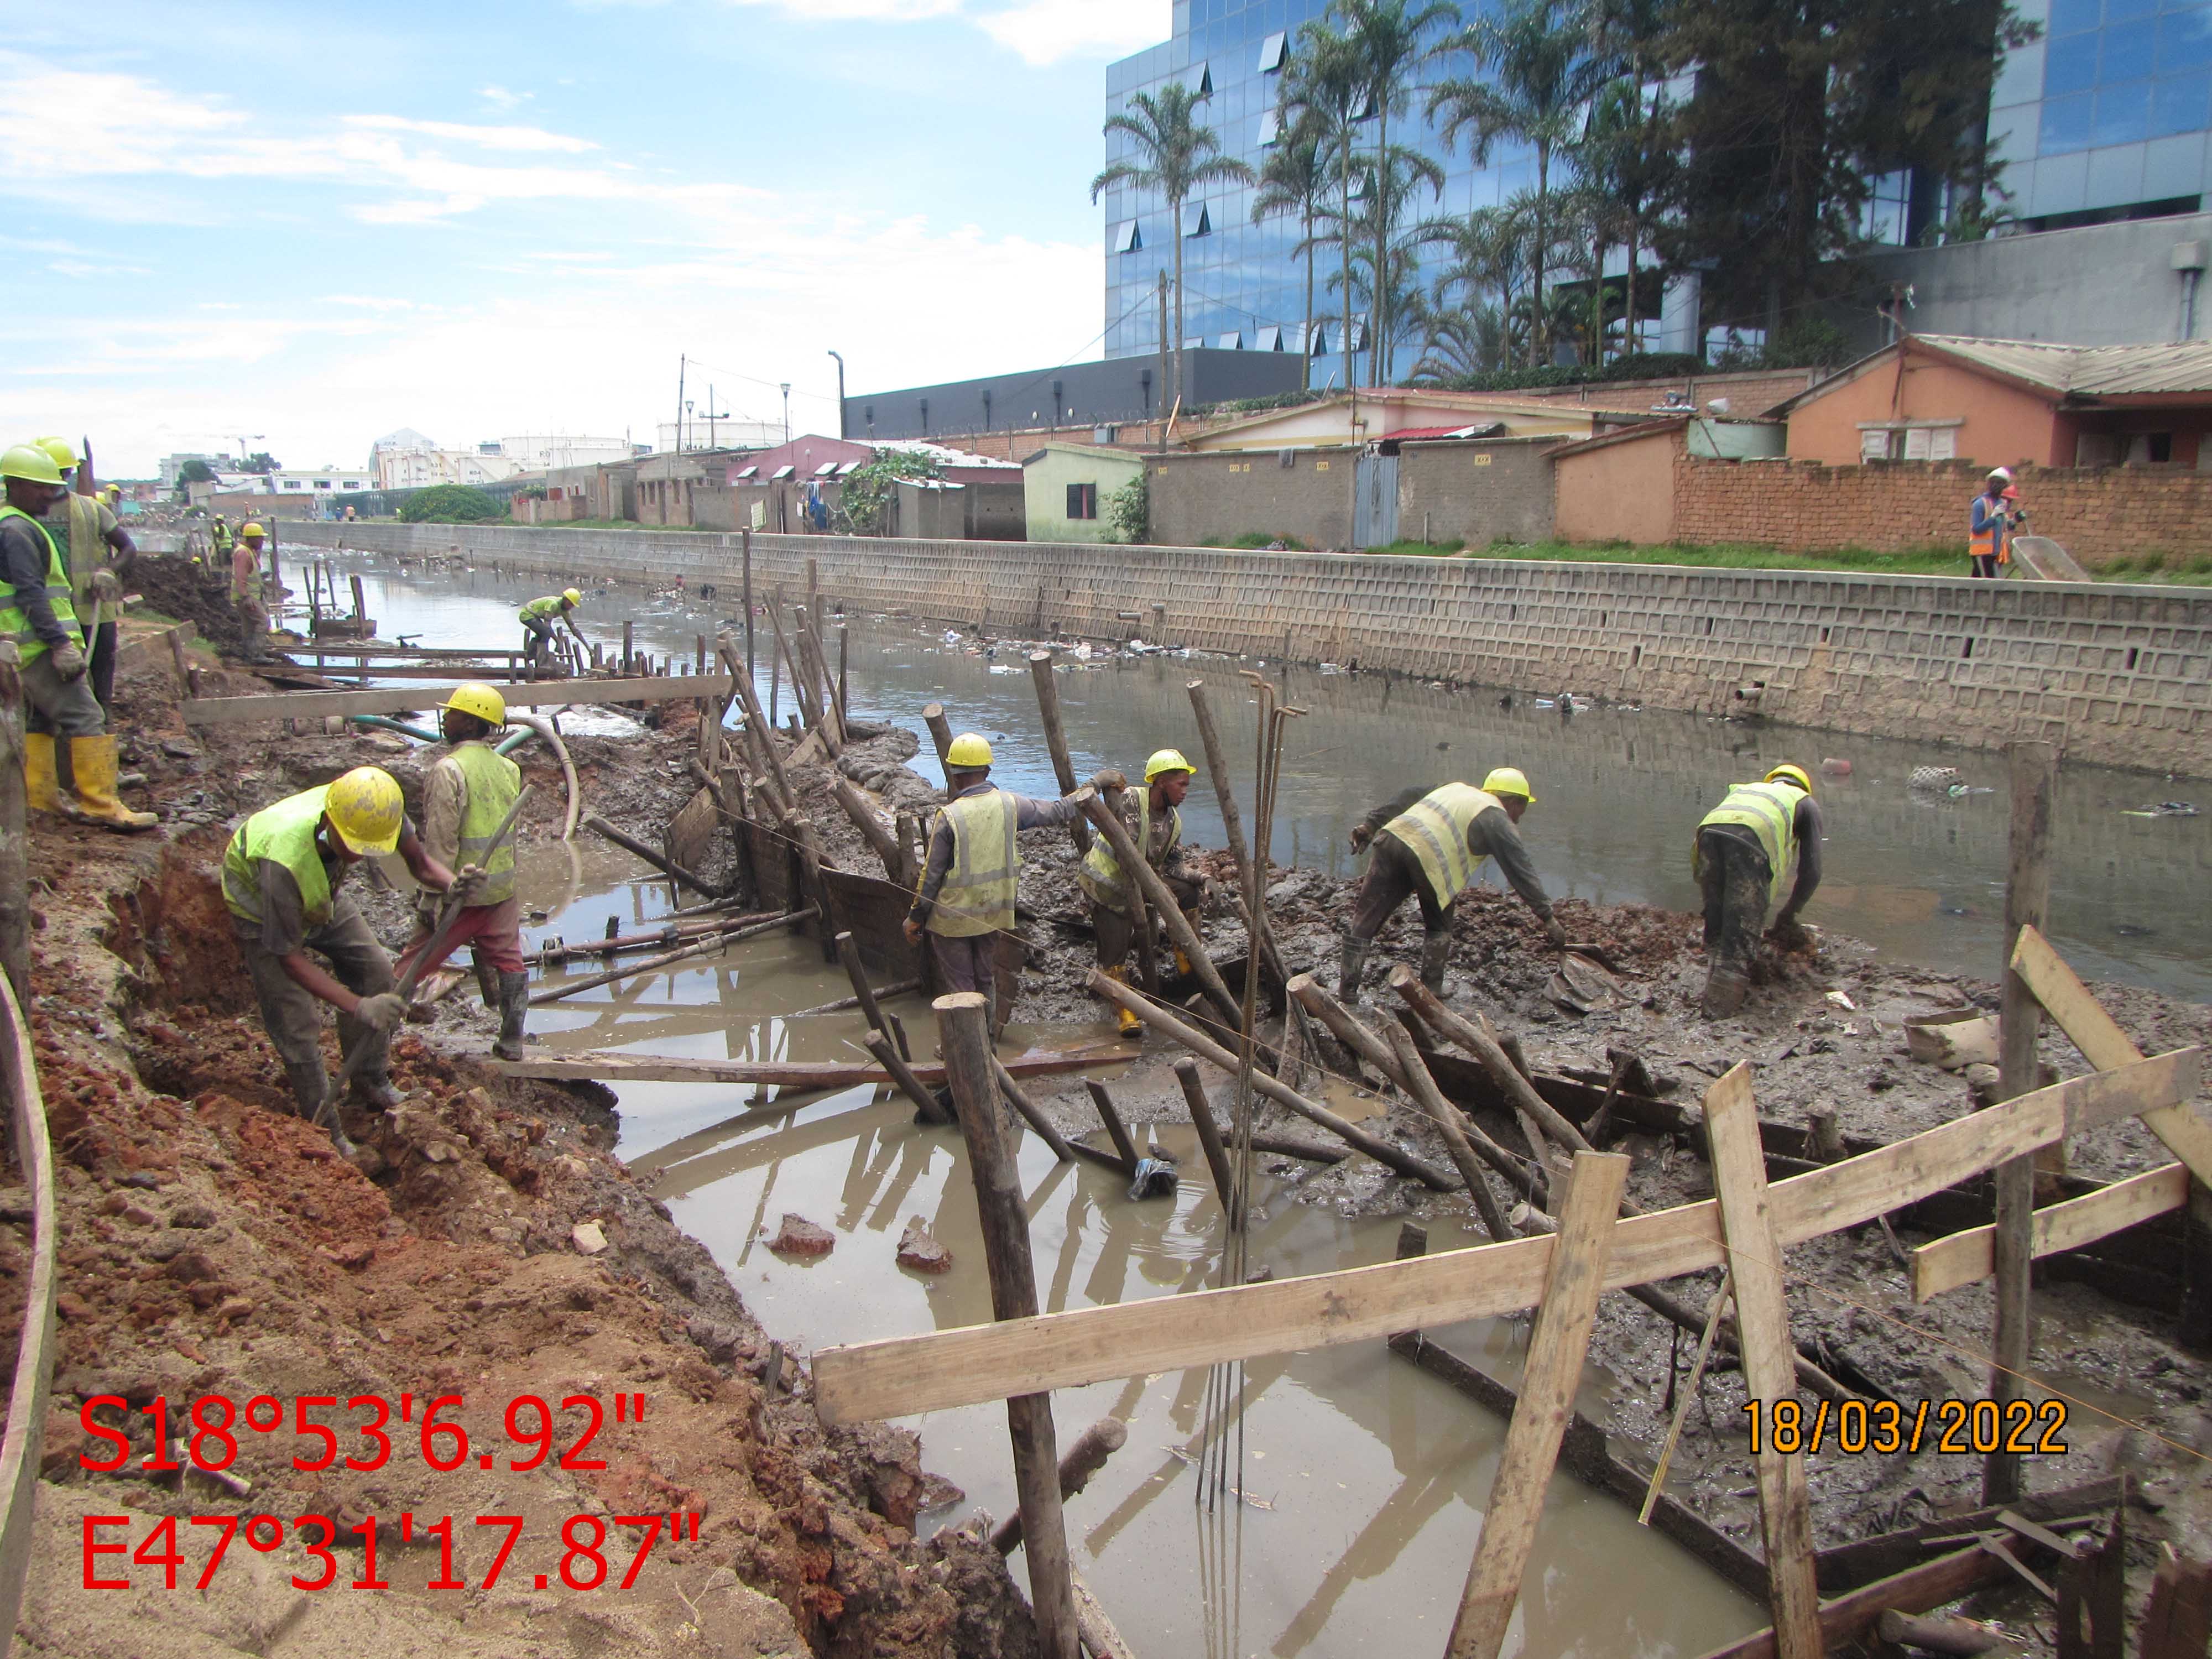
(1129, 1025)
(93, 759)
(38, 788)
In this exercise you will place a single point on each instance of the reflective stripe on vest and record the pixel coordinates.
(1988, 542)
(978, 894)
(286, 833)
(493, 783)
(1102, 876)
(13, 624)
(1768, 810)
(1436, 827)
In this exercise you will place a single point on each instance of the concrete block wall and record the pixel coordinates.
(1220, 497)
(1477, 492)
(2118, 674)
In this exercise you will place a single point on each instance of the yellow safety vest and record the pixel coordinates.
(1768, 810)
(1436, 827)
(978, 894)
(286, 833)
(1102, 876)
(13, 624)
(493, 783)
(88, 555)
(548, 607)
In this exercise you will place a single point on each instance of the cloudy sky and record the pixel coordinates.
(319, 221)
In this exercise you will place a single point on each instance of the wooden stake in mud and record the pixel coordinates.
(888, 1056)
(629, 652)
(758, 723)
(1116, 1131)
(2020, 1022)
(844, 702)
(1217, 766)
(1209, 1138)
(1055, 740)
(940, 733)
(1431, 1099)
(667, 865)
(1084, 1459)
(849, 954)
(15, 831)
(746, 539)
(962, 1021)
(1556, 1348)
(1162, 901)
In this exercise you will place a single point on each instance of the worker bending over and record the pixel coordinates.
(538, 619)
(1152, 817)
(1432, 846)
(465, 800)
(1742, 857)
(966, 900)
(281, 882)
(219, 536)
(246, 590)
(98, 550)
(36, 611)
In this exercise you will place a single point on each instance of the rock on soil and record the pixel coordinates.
(799, 1236)
(917, 1249)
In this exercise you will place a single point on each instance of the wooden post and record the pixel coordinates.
(667, 867)
(1116, 1131)
(629, 652)
(849, 954)
(1055, 740)
(14, 832)
(758, 725)
(961, 1022)
(2092, 1593)
(1431, 1099)
(1084, 1459)
(801, 829)
(1064, 1150)
(872, 829)
(2179, 1617)
(800, 693)
(844, 702)
(2020, 1021)
(1209, 1138)
(1556, 1348)
(1162, 901)
(1216, 766)
(1763, 1316)
(940, 733)
(889, 1057)
(359, 606)
(746, 538)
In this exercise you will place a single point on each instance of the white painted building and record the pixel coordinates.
(700, 433)
(406, 460)
(541, 452)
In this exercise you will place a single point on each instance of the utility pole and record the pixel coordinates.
(840, 356)
(680, 366)
(787, 411)
(1163, 360)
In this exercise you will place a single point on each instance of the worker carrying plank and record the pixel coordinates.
(465, 800)
(1742, 857)
(1432, 846)
(281, 881)
(1153, 818)
(538, 619)
(966, 900)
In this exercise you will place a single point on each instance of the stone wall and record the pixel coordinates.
(2118, 674)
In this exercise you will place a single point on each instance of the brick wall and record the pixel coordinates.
(1477, 492)
(2118, 674)
(2094, 512)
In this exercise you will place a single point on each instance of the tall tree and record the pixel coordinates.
(1295, 181)
(1540, 73)
(1325, 84)
(1175, 156)
(1626, 157)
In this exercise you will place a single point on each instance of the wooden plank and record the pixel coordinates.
(897, 1375)
(1847, 1566)
(1968, 1257)
(1762, 1311)
(1556, 1350)
(396, 699)
(618, 1068)
(1917, 1590)
(36, 1347)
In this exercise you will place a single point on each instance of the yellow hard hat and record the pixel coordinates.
(250, 528)
(1788, 773)
(29, 463)
(967, 753)
(572, 596)
(480, 700)
(364, 807)
(1508, 781)
(64, 457)
(1166, 760)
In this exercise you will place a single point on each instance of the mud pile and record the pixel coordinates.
(173, 586)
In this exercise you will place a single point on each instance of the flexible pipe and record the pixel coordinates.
(541, 727)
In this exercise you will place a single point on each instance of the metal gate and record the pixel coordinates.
(1375, 502)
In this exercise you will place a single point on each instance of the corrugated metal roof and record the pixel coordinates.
(2087, 371)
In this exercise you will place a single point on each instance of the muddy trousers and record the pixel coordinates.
(537, 642)
(494, 934)
(253, 628)
(99, 642)
(968, 963)
(1733, 874)
(1394, 874)
(1117, 933)
(293, 1014)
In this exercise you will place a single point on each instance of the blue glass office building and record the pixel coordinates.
(2107, 116)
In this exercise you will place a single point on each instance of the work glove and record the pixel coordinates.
(1109, 780)
(468, 882)
(382, 1013)
(913, 931)
(69, 661)
(1554, 933)
(105, 585)
(1361, 835)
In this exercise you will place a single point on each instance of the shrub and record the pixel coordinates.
(451, 504)
(1129, 511)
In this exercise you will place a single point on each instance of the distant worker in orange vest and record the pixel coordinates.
(1990, 524)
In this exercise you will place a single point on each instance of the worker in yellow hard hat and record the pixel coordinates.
(1742, 857)
(247, 587)
(281, 881)
(38, 612)
(98, 551)
(1431, 845)
(966, 901)
(538, 617)
(219, 536)
(1153, 817)
(466, 798)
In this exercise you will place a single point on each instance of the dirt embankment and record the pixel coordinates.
(212, 1244)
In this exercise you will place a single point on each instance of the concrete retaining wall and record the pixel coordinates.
(2118, 674)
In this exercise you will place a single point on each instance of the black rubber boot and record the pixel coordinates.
(1436, 951)
(373, 1091)
(1348, 971)
(513, 1007)
(487, 980)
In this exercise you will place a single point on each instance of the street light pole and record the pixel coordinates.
(787, 411)
(840, 356)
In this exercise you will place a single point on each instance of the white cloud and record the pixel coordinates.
(1047, 31)
(501, 99)
(847, 11)
(504, 138)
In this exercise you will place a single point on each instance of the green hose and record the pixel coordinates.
(384, 725)
(509, 745)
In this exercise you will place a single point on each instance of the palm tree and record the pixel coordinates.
(1295, 179)
(1542, 76)
(1461, 344)
(1390, 43)
(1175, 156)
(1387, 252)
(1486, 253)
(1324, 85)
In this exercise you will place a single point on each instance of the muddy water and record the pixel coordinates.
(1618, 793)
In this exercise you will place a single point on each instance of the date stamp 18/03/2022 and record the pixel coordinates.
(1885, 1428)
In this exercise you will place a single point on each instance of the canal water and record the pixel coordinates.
(1364, 1479)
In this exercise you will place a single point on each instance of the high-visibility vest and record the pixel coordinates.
(286, 833)
(978, 894)
(14, 624)
(1435, 828)
(549, 606)
(493, 783)
(219, 537)
(1768, 810)
(1102, 876)
(87, 556)
(245, 574)
(1988, 542)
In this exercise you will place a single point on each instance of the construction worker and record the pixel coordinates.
(1155, 825)
(98, 550)
(465, 800)
(1432, 846)
(966, 900)
(281, 881)
(246, 591)
(37, 612)
(538, 617)
(219, 536)
(1987, 525)
(1742, 857)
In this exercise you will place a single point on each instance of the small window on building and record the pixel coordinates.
(2097, 449)
(1274, 52)
(783, 472)
(1233, 341)
(1083, 500)
(1196, 222)
(2151, 449)
(744, 473)
(1268, 339)
(827, 470)
(1128, 238)
(1202, 80)
(1271, 126)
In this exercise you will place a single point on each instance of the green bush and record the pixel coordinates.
(451, 504)
(1129, 511)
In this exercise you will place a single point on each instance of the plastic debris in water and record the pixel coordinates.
(2165, 809)
(1155, 1178)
